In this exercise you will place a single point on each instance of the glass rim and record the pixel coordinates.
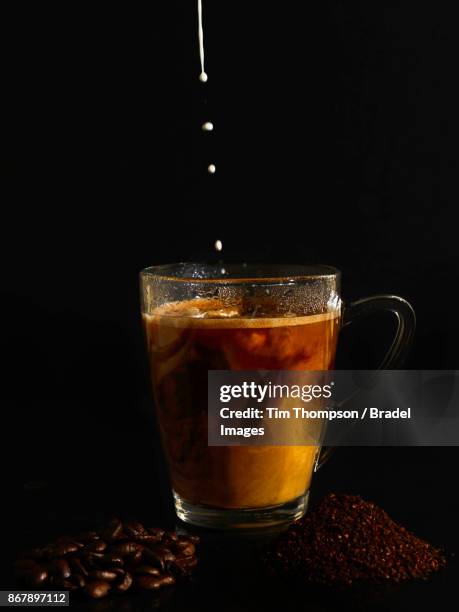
(234, 273)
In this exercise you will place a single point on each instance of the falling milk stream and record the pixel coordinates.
(203, 76)
(208, 125)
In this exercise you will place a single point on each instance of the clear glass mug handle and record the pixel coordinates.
(406, 325)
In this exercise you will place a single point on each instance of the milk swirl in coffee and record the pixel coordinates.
(187, 339)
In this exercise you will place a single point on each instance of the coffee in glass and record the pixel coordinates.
(249, 318)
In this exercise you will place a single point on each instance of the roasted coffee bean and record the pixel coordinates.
(97, 546)
(134, 529)
(37, 576)
(88, 562)
(159, 556)
(172, 536)
(113, 530)
(110, 560)
(187, 548)
(124, 584)
(147, 569)
(97, 564)
(103, 575)
(66, 549)
(148, 582)
(60, 550)
(153, 557)
(194, 538)
(79, 580)
(183, 541)
(134, 559)
(97, 589)
(67, 585)
(94, 555)
(166, 554)
(167, 580)
(147, 539)
(125, 548)
(156, 531)
(59, 583)
(183, 565)
(77, 566)
(60, 568)
(191, 562)
(92, 560)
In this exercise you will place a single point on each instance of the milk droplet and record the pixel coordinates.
(203, 77)
(207, 126)
(218, 245)
(211, 169)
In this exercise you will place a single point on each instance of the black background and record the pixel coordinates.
(335, 141)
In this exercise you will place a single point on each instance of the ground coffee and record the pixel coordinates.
(346, 539)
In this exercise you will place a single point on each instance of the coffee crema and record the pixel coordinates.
(187, 339)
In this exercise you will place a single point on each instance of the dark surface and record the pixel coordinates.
(414, 485)
(344, 121)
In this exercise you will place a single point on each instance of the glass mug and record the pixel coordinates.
(201, 317)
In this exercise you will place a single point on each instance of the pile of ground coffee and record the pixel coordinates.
(346, 539)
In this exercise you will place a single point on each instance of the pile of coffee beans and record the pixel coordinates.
(118, 557)
(346, 539)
